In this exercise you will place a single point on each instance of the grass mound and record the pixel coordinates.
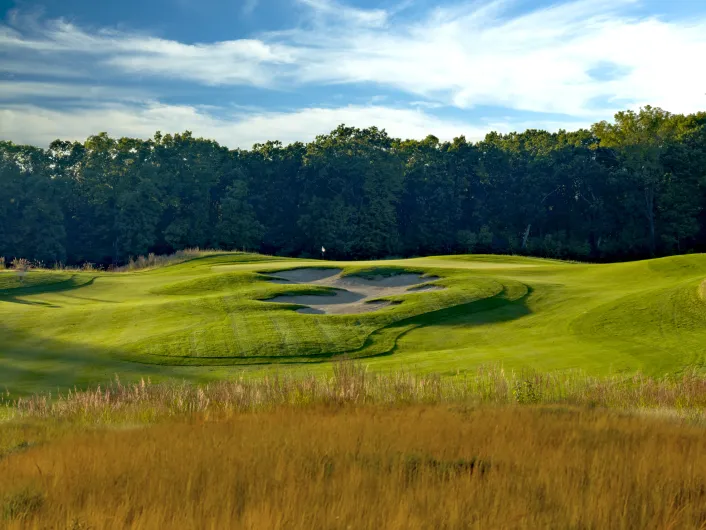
(209, 317)
(214, 283)
(37, 282)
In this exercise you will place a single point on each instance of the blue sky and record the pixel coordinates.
(245, 71)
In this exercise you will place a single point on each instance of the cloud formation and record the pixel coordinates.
(39, 125)
(584, 59)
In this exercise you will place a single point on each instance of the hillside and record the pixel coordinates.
(233, 313)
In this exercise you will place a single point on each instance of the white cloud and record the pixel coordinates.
(242, 62)
(472, 54)
(107, 52)
(16, 67)
(12, 90)
(539, 61)
(330, 9)
(40, 126)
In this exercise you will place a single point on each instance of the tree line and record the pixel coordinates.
(630, 188)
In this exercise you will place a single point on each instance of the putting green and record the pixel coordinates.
(207, 318)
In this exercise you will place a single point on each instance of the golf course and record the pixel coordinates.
(225, 314)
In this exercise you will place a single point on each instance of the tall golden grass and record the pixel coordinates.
(367, 466)
(357, 450)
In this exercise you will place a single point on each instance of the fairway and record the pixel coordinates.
(229, 314)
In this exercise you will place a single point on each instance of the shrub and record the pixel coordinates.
(21, 264)
(525, 391)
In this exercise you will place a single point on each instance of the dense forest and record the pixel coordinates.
(631, 188)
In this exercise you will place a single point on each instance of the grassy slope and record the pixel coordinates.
(201, 319)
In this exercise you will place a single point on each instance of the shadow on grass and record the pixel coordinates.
(14, 300)
(31, 364)
(87, 298)
(499, 308)
(12, 295)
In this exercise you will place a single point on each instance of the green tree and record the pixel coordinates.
(32, 222)
(189, 170)
(351, 180)
(272, 172)
(429, 210)
(624, 189)
(639, 141)
(238, 228)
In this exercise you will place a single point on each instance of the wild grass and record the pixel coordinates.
(151, 261)
(21, 264)
(681, 396)
(354, 449)
(155, 261)
(364, 466)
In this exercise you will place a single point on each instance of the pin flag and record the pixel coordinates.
(323, 249)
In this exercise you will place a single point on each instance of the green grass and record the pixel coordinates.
(204, 319)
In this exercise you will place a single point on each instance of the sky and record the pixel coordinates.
(247, 71)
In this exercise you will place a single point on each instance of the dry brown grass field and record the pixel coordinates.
(359, 451)
(413, 466)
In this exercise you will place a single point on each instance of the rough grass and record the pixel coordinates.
(682, 396)
(352, 449)
(366, 466)
(203, 319)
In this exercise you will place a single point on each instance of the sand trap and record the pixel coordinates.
(398, 280)
(354, 294)
(304, 275)
(340, 297)
(346, 309)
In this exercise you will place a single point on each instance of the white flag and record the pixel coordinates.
(323, 249)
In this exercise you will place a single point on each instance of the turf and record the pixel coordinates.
(205, 318)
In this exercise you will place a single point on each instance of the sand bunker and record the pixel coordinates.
(354, 294)
(305, 275)
(339, 297)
